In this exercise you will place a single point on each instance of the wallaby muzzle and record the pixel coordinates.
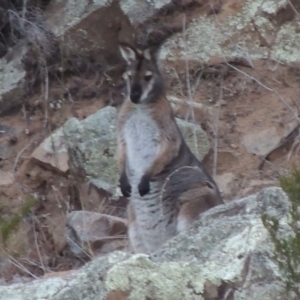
(135, 93)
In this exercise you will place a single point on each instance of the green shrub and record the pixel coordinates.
(287, 251)
(8, 226)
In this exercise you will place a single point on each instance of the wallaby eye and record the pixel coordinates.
(148, 75)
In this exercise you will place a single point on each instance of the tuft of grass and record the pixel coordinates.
(8, 226)
(287, 250)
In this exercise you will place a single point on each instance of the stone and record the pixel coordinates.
(227, 251)
(91, 146)
(89, 30)
(93, 233)
(223, 181)
(6, 178)
(53, 152)
(139, 10)
(12, 77)
(8, 136)
(262, 142)
(7, 131)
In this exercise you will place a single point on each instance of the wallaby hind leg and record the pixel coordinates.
(194, 202)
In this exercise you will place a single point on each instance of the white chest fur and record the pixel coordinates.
(142, 137)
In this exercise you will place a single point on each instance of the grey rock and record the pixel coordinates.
(227, 251)
(139, 10)
(71, 13)
(89, 29)
(91, 233)
(262, 142)
(6, 131)
(195, 137)
(52, 152)
(91, 145)
(6, 178)
(12, 77)
(7, 136)
(223, 181)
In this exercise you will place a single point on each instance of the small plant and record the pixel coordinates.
(8, 226)
(287, 251)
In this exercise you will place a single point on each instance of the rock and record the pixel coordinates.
(262, 142)
(12, 77)
(6, 178)
(195, 137)
(94, 233)
(7, 131)
(92, 147)
(5, 152)
(139, 10)
(227, 251)
(8, 136)
(53, 152)
(219, 38)
(90, 30)
(223, 181)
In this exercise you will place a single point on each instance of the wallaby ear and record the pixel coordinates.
(147, 54)
(128, 53)
(151, 53)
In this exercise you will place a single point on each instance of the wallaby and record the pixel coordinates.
(167, 185)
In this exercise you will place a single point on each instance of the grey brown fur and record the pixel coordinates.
(167, 185)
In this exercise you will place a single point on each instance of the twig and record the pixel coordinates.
(38, 250)
(188, 84)
(81, 248)
(20, 266)
(67, 90)
(46, 98)
(197, 83)
(18, 156)
(177, 77)
(293, 8)
(215, 157)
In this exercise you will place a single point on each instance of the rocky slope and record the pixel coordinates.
(232, 71)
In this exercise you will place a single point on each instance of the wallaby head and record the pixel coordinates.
(142, 75)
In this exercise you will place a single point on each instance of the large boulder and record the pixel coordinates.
(226, 253)
(91, 233)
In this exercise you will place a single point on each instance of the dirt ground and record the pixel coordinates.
(248, 107)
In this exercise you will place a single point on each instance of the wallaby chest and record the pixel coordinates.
(141, 134)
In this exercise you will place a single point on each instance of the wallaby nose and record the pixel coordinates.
(136, 92)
